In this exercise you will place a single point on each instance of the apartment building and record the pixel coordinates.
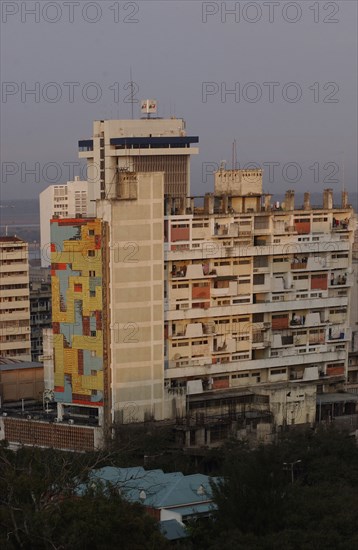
(144, 145)
(14, 299)
(258, 298)
(70, 200)
(210, 310)
(352, 382)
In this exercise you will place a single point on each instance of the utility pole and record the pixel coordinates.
(287, 466)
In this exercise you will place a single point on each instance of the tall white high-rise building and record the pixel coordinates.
(141, 145)
(68, 200)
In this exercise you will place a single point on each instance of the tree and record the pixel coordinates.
(39, 507)
(261, 506)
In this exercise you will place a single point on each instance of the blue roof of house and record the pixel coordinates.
(172, 529)
(157, 489)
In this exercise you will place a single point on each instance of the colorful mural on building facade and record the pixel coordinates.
(77, 310)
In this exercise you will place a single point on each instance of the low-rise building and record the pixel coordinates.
(166, 496)
(20, 380)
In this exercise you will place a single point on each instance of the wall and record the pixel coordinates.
(77, 309)
(136, 301)
(44, 434)
(20, 384)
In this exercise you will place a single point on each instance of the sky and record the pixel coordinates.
(280, 78)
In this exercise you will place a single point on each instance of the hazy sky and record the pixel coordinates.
(293, 66)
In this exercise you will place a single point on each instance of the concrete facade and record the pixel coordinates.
(241, 307)
(145, 145)
(68, 200)
(135, 296)
(14, 299)
(257, 297)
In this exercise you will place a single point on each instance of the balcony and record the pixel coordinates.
(221, 230)
(220, 349)
(298, 321)
(334, 335)
(340, 225)
(316, 339)
(300, 264)
(209, 328)
(260, 340)
(340, 280)
(179, 271)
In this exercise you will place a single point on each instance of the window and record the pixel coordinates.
(261, 261)
(92, 273)
(91, 253)
(259, 279)
(222, 263)
(274, 372)
(258, 318)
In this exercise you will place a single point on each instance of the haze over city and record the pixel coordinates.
(179, 275)
(279, 78)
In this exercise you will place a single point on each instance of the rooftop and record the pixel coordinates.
(15, 364)
(10, 239)
(157, 489)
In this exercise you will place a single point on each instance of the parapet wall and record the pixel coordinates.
(43, 434)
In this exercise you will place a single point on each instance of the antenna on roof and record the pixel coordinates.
(234, 155)
(132, 92)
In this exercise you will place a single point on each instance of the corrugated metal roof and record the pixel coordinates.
(13, 364)
(326, 398)
(157, 489)
(172, 529)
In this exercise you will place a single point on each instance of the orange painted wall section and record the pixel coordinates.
(303, 228)
(319, 283)
(200, 292)
(180, 234)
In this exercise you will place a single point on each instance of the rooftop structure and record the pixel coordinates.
(144, 145)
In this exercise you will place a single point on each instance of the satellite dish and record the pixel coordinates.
(177, 356)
